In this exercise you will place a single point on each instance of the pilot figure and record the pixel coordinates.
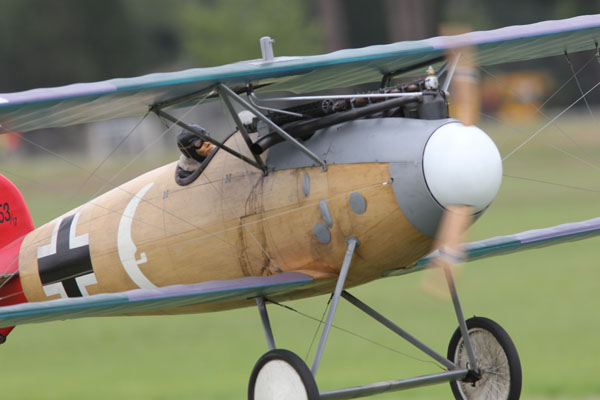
(194, 151)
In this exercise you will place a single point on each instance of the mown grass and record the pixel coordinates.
(547, 300)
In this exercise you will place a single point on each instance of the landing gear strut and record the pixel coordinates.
(482, 360)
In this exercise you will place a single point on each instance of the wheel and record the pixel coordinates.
(497, 360)
(281, 374)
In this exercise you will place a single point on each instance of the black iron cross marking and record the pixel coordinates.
(65, 265)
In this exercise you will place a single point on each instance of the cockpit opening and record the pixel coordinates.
(195, 155)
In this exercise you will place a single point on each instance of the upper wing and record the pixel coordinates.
(142, 300)
(116, 98)
(518, 242)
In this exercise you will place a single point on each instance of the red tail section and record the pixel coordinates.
(15, 223)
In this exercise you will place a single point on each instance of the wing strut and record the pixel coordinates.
(264, 317)
(227, 95)
(241, 127)
(228, 92)
(387, 78)
(352, 243)
(207, 138)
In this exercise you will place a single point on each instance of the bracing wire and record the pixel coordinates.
(587, 104)
(532, 136)
(151, 144)
(552, 183)
(262, 249)
(554, 147)
(320, 323)
(538, 109)
(349, 332)
(114, 150)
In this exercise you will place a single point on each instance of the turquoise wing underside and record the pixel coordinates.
(144, 300)
(129, 97)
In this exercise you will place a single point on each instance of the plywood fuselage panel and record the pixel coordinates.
(232, 222)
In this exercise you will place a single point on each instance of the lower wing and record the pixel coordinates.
(145, 300)
(513, 243)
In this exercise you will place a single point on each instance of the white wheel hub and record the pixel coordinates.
(279, 380)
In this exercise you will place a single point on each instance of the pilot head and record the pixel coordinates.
(193, 146)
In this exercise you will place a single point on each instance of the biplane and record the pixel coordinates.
(320, 188)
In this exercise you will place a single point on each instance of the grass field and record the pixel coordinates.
(548, 301)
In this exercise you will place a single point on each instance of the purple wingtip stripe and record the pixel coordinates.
(218, 286)
(514, 32)
(46, 94)
(574, 228)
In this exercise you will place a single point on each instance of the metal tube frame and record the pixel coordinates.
(202, 136)
(392, 386)
(206, 93)
(339, 287)
(388, 77)
(453, 373)
(409, 95)
(242, 128)
(264, 317)
(226, 94)
(272, 125)
(461, 319)
(253, 99)
(399, 331)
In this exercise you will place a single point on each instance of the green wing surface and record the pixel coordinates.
(143, 300)
(129, 97)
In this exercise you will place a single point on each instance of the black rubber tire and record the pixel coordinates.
(292, 360)
(514, 374)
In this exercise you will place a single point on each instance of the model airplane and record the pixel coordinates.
(312, 194)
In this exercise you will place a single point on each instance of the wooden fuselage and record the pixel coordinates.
(232, 222)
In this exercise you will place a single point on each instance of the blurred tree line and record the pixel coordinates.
(48, 43)
(56, 42)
